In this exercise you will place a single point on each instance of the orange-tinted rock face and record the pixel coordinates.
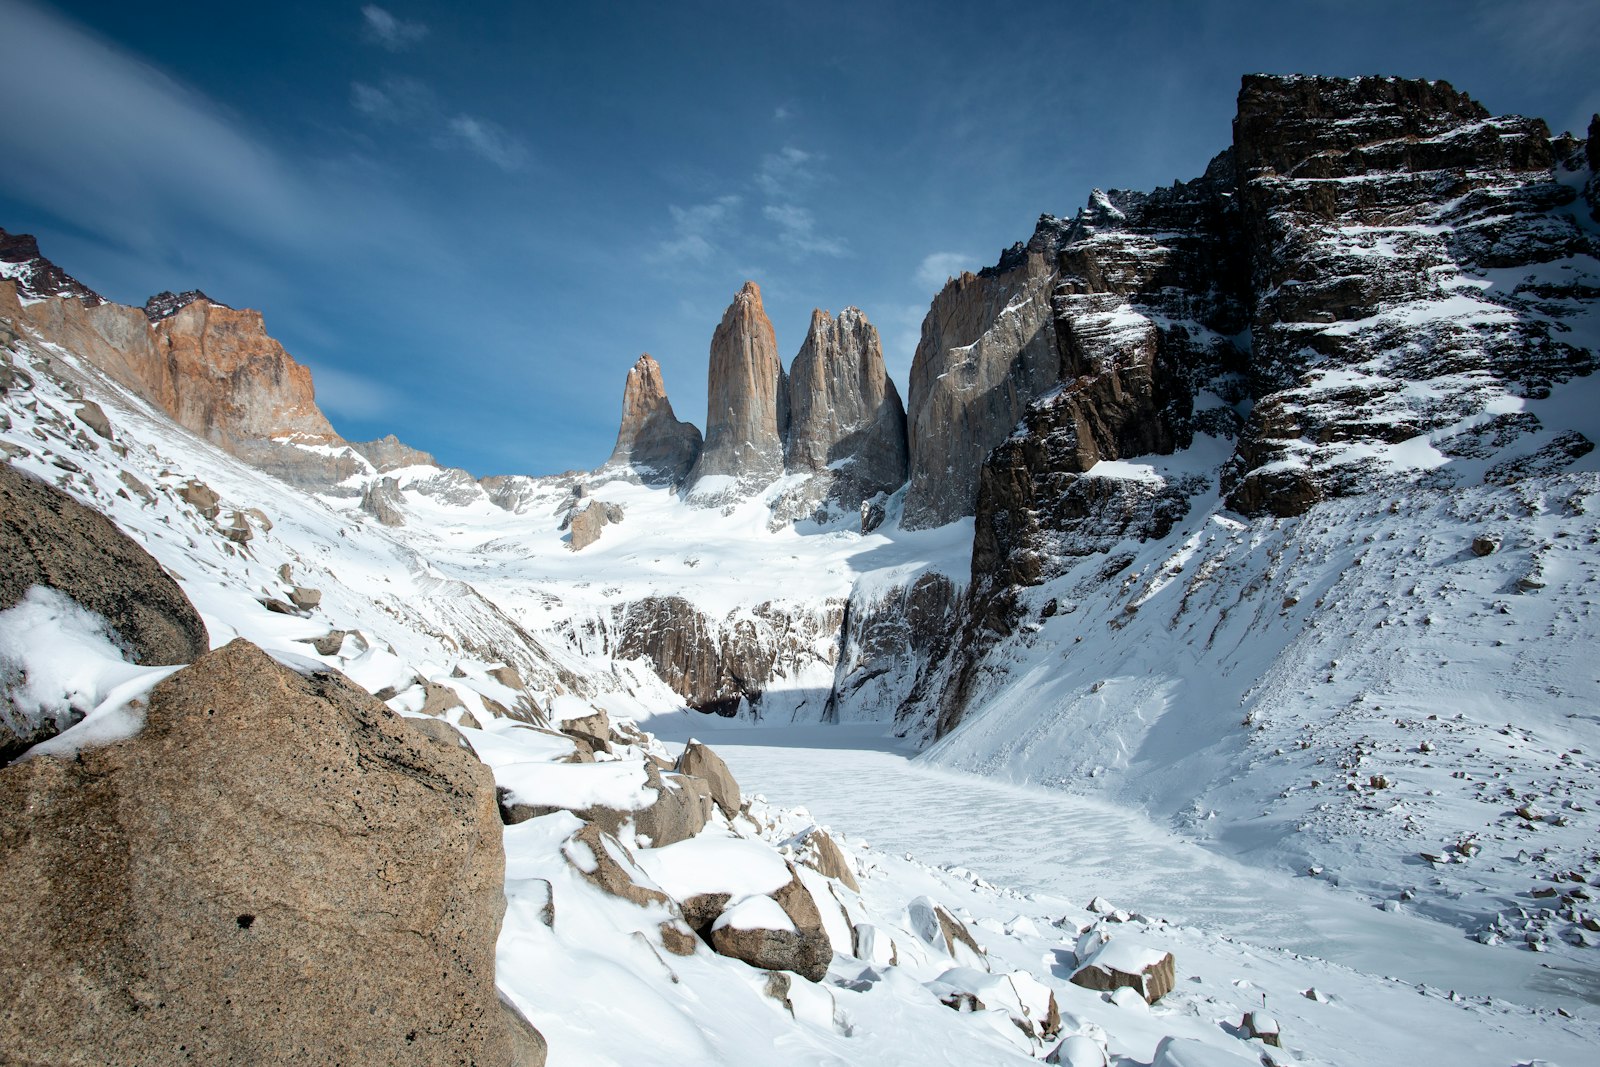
(231, 382)
(651, 438)
(213, 369)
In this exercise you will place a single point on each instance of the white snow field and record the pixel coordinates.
(1192, 761)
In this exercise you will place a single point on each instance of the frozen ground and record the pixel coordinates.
(1044, 841)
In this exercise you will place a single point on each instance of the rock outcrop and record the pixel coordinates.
(652, 442)
(747, 405)
(847, 427)
(35, 276)
(717, 664)
(1373, 262)
(988, 347)
(49, 539)
(165, 304)
(1368, 204)
(276, 869)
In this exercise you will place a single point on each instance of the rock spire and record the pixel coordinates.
(845, 413)
(657, 445)
(747, 401)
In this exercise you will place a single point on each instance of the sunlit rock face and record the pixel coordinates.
(847, 427)
(652, 442)
(747, 410)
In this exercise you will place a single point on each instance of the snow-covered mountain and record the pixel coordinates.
(1264, 505)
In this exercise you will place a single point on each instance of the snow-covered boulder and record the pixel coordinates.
(700, 761)
(817, 849)
(939, 928)
(780, 932)
(1078, 1050)
(1122, 962)
(48, 539)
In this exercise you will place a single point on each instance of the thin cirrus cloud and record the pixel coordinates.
(145, 152)
(937, 267)
(354, 396)
(797, 232)
(489, 140)
(388, 32)
(697, 230)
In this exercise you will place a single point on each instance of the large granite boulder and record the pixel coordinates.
(275, 870)
(49, 539)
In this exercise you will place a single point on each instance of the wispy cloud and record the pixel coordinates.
(354, 396)
(787, 173)
(386, 31)
(938, 267)
(395, 100)
(143, 150)
(414, 103)
(797, 231)
(696, 230)
(489, 140)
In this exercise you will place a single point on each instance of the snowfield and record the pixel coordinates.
(1342, 767)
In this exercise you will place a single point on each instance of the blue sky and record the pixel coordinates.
(470, 222)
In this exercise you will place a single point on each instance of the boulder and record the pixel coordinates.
(238, 529)
(305, 599)
(276, 869)
(94, 417)
(1260, 1025)
(683, 804)
(700, 761)
(1078, 1050)
(789, 938)
(594, 728)
(1119, 963)
(818, 850)
(938, 927)
(49, 539)
(331, 642)
(201, 497)
(872, 945)
(1485, 544)
(608, 865)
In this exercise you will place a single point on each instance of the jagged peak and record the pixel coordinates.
(35, 276)
(166, 303)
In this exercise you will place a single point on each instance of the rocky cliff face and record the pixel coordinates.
(652, 442)
(988, 347)
(1370, 285)
(1394, 228)
(776, 658)
(747, 403)
(846, 422)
